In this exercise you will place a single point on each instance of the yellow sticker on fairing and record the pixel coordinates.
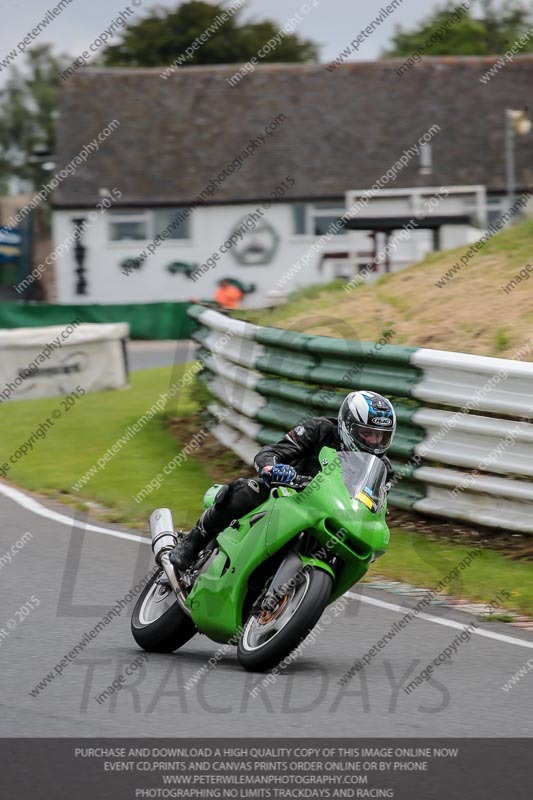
(364, 498)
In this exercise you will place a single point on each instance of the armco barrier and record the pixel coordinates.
(464, 443)
(146, 320)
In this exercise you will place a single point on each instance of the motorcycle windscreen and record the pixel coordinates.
(365, 477)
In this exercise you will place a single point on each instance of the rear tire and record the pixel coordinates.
(262, 646)
(158, 623)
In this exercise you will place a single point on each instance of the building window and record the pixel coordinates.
(315, 219)
(144, 225)
(126, 226)
(322, 224)
(173, 222)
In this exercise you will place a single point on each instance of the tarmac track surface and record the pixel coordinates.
(77, 576)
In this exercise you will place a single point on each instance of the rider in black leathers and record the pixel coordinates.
(366, 422)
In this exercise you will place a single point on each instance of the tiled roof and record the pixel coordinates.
(343, 129)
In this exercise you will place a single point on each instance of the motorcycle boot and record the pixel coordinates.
(187, 550)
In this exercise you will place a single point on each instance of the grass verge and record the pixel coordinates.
(83, 434)
(490, 577)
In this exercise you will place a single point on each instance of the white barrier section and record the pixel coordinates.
(496, 385)
(50, 361)
(480, 443)
(484, 500)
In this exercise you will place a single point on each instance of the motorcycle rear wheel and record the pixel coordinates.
(269, 637)
(158, 624)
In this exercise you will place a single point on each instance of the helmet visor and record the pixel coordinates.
(368, 438)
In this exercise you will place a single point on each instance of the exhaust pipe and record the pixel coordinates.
(162, 530)
(164, 540)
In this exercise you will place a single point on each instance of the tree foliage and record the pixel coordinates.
(451, 30)
(30, 96)
(28, 103)
(159, 38)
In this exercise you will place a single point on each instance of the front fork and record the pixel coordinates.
(289, 571)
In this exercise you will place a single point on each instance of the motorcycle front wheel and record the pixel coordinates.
(270, 636)
(158, 623)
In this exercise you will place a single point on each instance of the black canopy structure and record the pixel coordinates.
(388, 225)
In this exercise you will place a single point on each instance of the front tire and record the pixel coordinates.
(267, 641)
(158, 624)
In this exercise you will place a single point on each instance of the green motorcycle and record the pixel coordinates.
(265, 581)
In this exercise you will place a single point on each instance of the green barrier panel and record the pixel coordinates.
(388, 380)
(297, 366)
(287, 340)
(404, 442)
(320, 402)
(328, 346)
(269, 436)
(147, 320)
(405, 497)
(397, 381)
(283, 414)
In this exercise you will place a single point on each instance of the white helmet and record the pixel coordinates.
(366, 422)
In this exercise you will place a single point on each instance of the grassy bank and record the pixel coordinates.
(470, 312)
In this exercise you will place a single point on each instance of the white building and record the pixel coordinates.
(209, 181)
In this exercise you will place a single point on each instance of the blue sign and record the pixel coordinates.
(10, 241)
(9, 236)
